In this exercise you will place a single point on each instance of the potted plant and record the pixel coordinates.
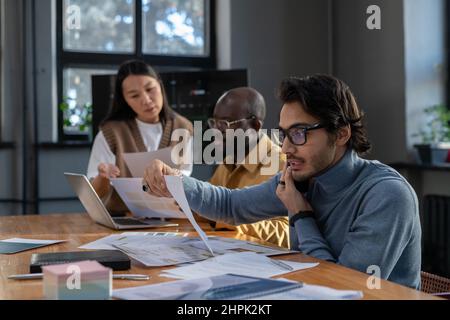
(435, 146)
(77, 118)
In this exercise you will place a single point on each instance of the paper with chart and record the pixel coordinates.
(222, 245)
(155, 249)
(137, 162)
(243, 263)
(176, 189)
(142, 204)
(168, 251)
(171, 251)
(108, 242)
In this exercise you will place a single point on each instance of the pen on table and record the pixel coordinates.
(34, 276)
(281, 264)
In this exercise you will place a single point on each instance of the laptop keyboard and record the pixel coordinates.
(129, 222)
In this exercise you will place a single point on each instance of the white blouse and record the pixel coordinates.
(101, 153)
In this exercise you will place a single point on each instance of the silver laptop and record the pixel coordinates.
(97, 211)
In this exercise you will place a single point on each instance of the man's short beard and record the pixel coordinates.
(319, 164)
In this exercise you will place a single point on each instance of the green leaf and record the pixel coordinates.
(63, 106)
(437, 128)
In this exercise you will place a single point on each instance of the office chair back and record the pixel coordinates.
(436, 285)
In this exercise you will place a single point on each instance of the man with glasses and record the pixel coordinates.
(342, 208)
(243, 110)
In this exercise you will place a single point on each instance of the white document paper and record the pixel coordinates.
(168, 253)
(223, 287)
(243, 263)
(137, 162)
(313, 292)
(175, 187)
(170, 248)
(175, 290)
(107, 243)
(224, 245)
(33, 241)
(142, 204)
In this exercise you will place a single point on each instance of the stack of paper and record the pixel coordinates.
(311, 292)
(235, 287)
(144, 205)
(224, 287)
(222, 245)
(155, 249)
(109, 242)
(242, 263)
(169, 253)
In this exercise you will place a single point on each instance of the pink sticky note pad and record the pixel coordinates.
(89, 270)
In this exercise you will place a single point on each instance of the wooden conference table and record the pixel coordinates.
(79, 229)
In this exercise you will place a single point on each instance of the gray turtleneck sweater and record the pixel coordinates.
(366, 214)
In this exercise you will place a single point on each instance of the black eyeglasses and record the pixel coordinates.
(297, 133)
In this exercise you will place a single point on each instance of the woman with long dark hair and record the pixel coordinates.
(140, 121)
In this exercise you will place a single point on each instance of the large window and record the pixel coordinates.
(95, 37)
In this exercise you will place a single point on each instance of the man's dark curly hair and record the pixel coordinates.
(330, 100)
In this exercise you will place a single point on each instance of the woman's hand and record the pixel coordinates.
(154, 182)
(108, 171)
(101, 182)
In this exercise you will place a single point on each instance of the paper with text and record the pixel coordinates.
(175, 187)
(313, 292)
(223, 287)
(142, 204)
(220, 244)
(138, 161)
(108, 242)
(172, 251)
(244, 263)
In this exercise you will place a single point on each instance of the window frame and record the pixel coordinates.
(447, 45)
(73, 59)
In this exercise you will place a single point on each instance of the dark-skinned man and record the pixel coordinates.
(245, 108)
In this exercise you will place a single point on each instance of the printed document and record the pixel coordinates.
(243, 263)
(223, 287)
(108, 242)
(138, 162)
(142, 204)
(175, 187)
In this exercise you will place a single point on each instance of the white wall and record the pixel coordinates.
(425, 57)
(425, 65)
